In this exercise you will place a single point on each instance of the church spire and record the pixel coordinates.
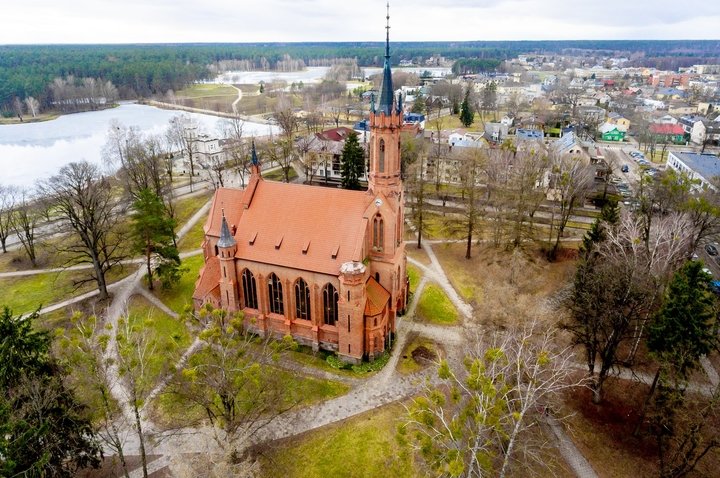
(254, 161)
(387, 94)
(226, 239)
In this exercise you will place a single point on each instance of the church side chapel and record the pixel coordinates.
(324, 265)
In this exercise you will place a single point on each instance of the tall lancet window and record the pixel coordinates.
(302, 300)
(381, 156)
(275, 294)
(378, 233)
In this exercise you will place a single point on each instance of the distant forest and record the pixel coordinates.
(144, 70)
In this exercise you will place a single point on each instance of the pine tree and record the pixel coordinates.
(353, 163)
(153, 234)
(467, 115)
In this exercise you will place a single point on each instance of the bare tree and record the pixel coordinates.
(18, 107)
(416, 185)
(235, 383)
(182, 136)
(282, 153)
(134, 349)
(232, 130)
(84, 200)
(570, 182)
(617, 287)
(285, 117)
(479, 422)
(24, 220)
(87, 351)
(8, 200)
(33, 106)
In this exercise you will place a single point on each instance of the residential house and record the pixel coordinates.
(323, 152)
(496, 132)
(567, 145)
(667, 133)
(694, 127)
(666, 119)
(622, 123)
(610, 132)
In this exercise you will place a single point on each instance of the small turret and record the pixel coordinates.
(226, 238)
(254, 161)
(227, 246)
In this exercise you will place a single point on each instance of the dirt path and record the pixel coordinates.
(239, 98)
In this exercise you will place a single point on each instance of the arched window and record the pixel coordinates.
(330, 304)
(381, 156)
(249, 289)
(217, 253)
(378, 233)
(275, 293)
(302, 300)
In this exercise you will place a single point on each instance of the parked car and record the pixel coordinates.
(711, 249)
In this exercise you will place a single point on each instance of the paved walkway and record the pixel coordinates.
(569, 451)
(386, 386)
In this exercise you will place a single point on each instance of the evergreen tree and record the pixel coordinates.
(353, 163)
(153, 233)
(467, 115)
(44, 431)
(419, 104)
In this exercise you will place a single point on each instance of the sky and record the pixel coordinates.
(238, 21)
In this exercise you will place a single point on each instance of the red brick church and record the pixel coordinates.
(325, 265)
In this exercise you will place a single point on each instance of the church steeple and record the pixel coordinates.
(387, 93)
(385, 125)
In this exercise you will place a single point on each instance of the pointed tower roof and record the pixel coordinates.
(387, 93)
(254, 159)
(226, 239)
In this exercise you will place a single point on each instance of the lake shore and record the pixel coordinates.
(48, 116)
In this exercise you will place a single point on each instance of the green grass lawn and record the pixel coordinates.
(317, 360)
(277, 175)
(435, 307)
(169, 338)
(360, 447)
(172, 410)
(186, 207)
(414, 275)
(27, 293)
(194, 237)
(200, 90)
(181, 294)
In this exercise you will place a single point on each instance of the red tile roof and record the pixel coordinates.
(208, 280)
(293, 225)
(377, 297)
(672, 129)
(335, 134)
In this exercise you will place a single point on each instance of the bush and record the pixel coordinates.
(363, 367)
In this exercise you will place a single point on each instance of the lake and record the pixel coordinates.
(33, 151)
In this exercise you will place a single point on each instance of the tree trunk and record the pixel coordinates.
(138, 428)
(100, 279)
(643, 411)
(468, 250)
(149, 268)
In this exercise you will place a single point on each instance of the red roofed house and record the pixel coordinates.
(668, 133)
(325, 265)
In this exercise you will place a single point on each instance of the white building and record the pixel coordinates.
(704, 168)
